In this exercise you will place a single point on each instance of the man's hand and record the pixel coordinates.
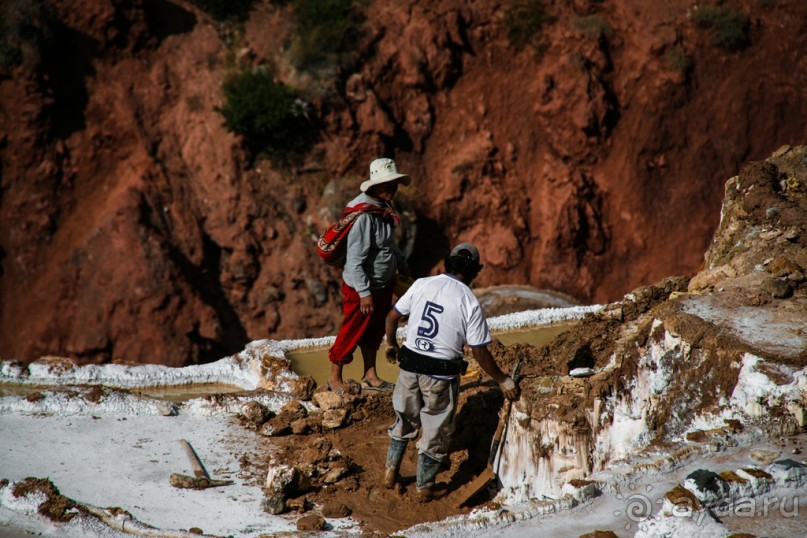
(509, 388)
(488, 364)
(366, 305)
(392, 354)
(391, 326)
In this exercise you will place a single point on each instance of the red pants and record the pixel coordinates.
(358, 329)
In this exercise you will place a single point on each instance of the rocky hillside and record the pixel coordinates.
(588, 157)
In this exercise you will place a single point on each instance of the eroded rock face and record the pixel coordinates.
(134, 227)
(722, 350)
(760, 244)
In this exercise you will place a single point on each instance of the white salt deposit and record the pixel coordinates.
(126, 462)
(543, 316)
(74, 403)
(788, 473)
(701, 525)
(226, 370)
(540, 456)
(775, 331)
(581, 372)
(119, 449)
(507, 322)
(755, 390)
(25, 504)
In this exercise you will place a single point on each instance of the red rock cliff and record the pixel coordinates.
(134, 227)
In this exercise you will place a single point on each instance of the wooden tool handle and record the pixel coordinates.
(497, 437)
(198, 469)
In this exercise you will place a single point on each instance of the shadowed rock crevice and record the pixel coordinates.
(205, 281)
(590, 231)
(68, 78)
(165, 19)
(101, 355)
(429, 248)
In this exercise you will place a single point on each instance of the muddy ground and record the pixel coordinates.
(341, 469)
(357, 450)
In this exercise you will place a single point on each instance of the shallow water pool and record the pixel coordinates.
(314, 362)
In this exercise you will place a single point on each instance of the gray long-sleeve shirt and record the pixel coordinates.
(372, 254)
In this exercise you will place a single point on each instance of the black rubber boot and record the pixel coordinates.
(395, 455)
(427, 472)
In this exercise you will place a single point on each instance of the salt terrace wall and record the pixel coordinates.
(565, 429)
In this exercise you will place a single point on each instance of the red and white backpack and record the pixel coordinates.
(332, 244)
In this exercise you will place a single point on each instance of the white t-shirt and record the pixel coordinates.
(444, 314)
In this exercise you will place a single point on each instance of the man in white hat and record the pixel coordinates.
(371, 263)
(444, 315)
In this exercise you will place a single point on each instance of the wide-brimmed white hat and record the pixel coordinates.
(384, 170)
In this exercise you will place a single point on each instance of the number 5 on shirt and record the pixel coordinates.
(431, 327)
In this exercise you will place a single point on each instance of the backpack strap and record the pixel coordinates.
(330, 245)
(386, 213)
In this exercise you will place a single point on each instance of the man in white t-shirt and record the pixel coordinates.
(444, 315)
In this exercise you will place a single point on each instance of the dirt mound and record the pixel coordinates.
(56, 507)
(358, 452)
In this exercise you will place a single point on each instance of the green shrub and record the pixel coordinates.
(729, 27)
(524, 21)
(10, 56)
(225, 10)
(592, 26)
(269, 115)
(326, 31)
(24, 30)
(679, 60)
